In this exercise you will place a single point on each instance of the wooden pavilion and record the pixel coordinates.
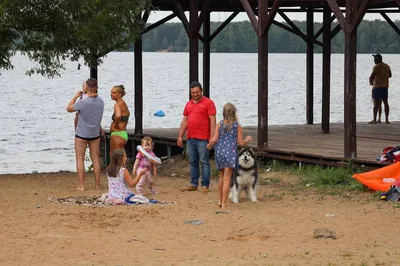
(349, 14)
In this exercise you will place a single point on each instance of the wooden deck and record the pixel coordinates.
(306, 143)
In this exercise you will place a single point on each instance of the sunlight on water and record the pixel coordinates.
(37, 133)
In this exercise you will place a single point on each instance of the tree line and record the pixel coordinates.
(50, 32)
(375, 36)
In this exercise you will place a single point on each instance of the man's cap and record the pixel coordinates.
(377, 56)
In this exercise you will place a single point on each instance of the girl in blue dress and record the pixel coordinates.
(228, 135)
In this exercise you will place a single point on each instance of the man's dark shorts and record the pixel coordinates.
(380, 93)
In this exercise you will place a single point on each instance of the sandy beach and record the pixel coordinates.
(277, 230)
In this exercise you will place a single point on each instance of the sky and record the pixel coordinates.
(221, 16)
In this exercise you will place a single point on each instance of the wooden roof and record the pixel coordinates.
(236, 5)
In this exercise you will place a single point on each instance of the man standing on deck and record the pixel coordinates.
(199, 124)
(379, 79)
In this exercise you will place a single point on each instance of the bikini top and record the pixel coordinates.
(124, 118)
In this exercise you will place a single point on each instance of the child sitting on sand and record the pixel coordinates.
(119, 178)
(143, 165)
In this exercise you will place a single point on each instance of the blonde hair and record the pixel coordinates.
(121, 89)
(229, 114)
(147, 139)
(116, 162)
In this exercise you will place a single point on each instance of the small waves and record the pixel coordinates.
(37, 132)
(52, 149)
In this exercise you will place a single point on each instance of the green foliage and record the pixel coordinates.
(332, 179)
(52, 31)
(329, 176)
(7, 37)
(239, 37)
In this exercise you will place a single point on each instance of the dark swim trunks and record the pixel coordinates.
(380, 93)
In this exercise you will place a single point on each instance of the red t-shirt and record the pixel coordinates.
(198, 122)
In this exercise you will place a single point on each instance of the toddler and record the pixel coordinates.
(143, 166)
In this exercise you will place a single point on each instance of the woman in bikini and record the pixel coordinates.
(119, 135)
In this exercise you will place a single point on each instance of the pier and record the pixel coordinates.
(299, 143)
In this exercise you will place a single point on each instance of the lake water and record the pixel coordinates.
(37, 132)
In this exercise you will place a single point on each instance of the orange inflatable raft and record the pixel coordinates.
(380, 179)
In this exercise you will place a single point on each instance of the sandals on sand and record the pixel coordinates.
(372, 122)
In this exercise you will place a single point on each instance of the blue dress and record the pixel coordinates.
(226, 147)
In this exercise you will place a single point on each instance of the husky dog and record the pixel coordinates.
(245, 177)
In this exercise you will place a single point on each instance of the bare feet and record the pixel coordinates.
(80, 188)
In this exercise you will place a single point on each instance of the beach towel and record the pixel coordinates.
(98, 201)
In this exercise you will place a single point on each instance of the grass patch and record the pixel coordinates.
(328, 180)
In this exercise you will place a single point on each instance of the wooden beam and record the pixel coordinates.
(180, 13)
(319, 32)
(262, 128)
(272, 14)
(206, 56)
(335, 31)
(193, 43)
(250, 14)
(296, 30)
(262, 17)
(326, 70)
(283, 26)
(300, 34)
(391, 23)
(205, 11)
(223, 25)
(338, 14)
(158, 23)
(288, 21)
(350, 69)
(360, 14)
(321, 44)
(310, 68)
(146, 16)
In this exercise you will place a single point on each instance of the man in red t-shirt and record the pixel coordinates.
(199, 124)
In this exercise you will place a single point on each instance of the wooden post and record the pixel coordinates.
(193, 43)
(326, 70)
(350, 66)
(262, 133)
(349, 24)
(138, 87)
(206, 56)
(310, 67)
(261, 26)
